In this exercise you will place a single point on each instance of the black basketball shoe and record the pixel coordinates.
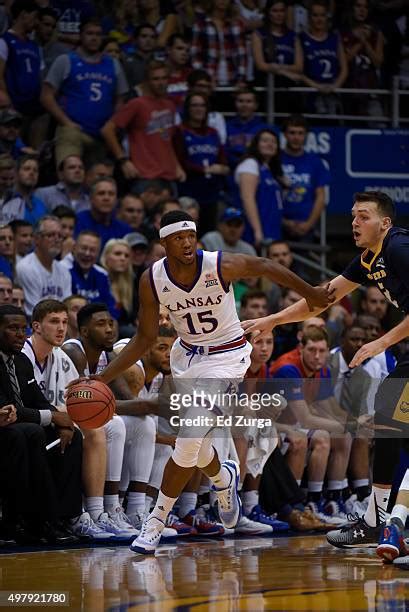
(358, 534)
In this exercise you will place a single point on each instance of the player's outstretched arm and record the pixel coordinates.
(147, 332)
(300, 311)
(235, 267)
(394, 335)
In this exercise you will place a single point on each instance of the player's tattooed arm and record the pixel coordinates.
(77, 357)
(145, 336)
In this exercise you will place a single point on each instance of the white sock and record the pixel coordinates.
(250, 499)
(362, 482)
(163, 506)
(378, 503)
(187, 502)
(335, 485)
(136, 503)
(401, 512)
(148, 503)
(94, 506)
(111, 502)
(315, 486)
(222, 479)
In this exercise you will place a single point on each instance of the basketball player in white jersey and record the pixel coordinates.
(53, 369)
(195, 286)
(146, 381)
(90, 354)
(142, 453)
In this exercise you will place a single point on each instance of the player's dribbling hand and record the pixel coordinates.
(259, 328)
(366, 351)
(321, 297)
(80, 380)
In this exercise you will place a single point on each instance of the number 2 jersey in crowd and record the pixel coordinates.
(387, 268)
(204, 313)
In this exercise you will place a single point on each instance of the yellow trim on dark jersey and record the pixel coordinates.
(378, 249)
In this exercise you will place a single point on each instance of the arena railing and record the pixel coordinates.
(391, 99)
(392, 104)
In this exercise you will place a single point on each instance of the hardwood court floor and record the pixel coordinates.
(254, 574)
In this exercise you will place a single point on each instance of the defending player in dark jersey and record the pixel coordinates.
(384, 262)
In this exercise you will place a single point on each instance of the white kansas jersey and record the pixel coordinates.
(145, 393)
(102, 361)
(54, 375)
(204, 314)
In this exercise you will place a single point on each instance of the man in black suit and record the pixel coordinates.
(42, 487)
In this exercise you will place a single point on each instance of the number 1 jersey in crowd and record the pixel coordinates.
(204, 313)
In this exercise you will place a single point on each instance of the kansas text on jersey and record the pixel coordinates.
(204, 313)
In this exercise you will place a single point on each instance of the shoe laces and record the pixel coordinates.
(105, 520)
(354, 521)
(150, 530)
(224, 497)
(353, 517)
(120, 518)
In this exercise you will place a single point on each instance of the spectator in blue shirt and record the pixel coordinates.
(308, 179)
(242, 127)
(22, 204)
(88, 280)
(20, 60)
(100, 218)
(81, 92)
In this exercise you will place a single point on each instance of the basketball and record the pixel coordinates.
(90, 404)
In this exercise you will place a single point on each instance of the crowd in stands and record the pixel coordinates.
(108, 120)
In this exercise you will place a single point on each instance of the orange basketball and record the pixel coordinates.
(90, 404)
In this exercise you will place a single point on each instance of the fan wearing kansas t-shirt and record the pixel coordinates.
(81, 92)
(325, 63)
(196, 288)
(20, 60)
(385, 263)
